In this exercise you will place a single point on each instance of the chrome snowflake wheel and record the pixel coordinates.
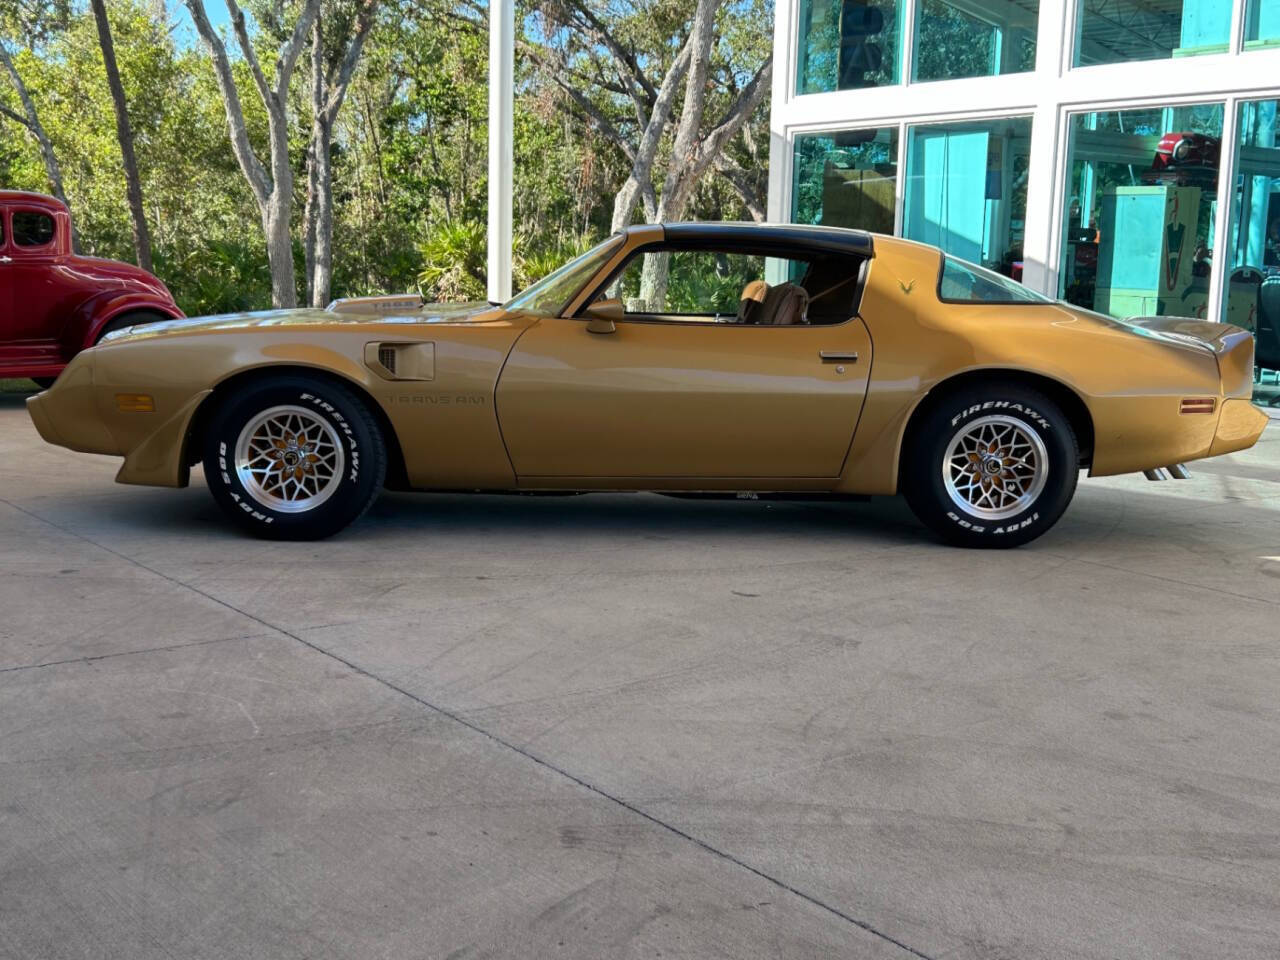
(995, 467)
(289, 460)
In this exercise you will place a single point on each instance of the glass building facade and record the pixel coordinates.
(1129, 163)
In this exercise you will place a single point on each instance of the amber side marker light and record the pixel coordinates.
(135, 403)
(1198, 405)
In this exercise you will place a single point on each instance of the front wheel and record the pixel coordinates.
(991, 466)
(297, 458)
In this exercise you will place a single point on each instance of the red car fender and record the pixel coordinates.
(91, 317)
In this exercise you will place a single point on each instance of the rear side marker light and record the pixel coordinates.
(1198, 405)
(135, 403)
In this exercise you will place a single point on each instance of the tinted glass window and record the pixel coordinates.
(702, 286)
(1114, 31)
(963, 38)
(966, 190)
(32, 229)
(1252, 256)
(967, 282)
(847, 44)
(1262, 24)
(1139, 210)
(846, 179)
(550, 295)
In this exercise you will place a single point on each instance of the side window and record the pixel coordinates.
(962, 282)
(689, 283)
(31, 229)
(2, 212)
(735, 286)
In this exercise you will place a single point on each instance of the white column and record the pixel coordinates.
(1047, 167)
(785, 13)
(502, 32)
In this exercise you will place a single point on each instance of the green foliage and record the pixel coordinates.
(454, 260)
(223, 276)
(697, 282)
(409, 147)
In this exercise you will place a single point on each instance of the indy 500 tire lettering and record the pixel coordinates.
(990, 465)
(294, 458)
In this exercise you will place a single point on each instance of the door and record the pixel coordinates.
(681, 388)
(43, 293)
(8, 325)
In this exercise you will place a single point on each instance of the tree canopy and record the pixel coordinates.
(407, 149)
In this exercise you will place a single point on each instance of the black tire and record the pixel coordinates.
(345, 439)
(1026, 503)
(131, 319)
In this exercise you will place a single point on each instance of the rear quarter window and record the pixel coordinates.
(31, 229)
(963, 282)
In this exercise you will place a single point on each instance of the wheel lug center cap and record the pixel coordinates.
(991, 466)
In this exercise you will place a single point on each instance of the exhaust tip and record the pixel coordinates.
(1175, 471)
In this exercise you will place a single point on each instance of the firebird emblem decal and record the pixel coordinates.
(907, 287)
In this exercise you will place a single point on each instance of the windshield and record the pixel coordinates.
(550, 295)
(964, 282)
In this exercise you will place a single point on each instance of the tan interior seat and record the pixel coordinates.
(781, 306)
(784, 305)
(751, 300)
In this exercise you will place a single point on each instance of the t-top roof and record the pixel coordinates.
(830, 239)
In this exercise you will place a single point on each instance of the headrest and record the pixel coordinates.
(749, 302)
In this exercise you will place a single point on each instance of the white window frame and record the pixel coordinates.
(1050, 94)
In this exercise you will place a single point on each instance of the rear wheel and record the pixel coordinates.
(298, 458)
(991, 466)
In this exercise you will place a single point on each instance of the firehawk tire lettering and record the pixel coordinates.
(266, 507)
(1002, 405)
(946, 475)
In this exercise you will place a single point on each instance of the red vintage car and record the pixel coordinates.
(53, 303)
(1185, 159)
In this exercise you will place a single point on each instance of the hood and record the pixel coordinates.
(302, 318)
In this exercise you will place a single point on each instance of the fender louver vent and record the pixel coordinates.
(387, 357)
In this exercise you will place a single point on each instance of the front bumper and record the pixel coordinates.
(40, 417)
(67, 414)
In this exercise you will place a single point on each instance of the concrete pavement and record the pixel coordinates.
(631, 726)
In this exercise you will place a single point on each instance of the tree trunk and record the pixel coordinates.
(322, 276)
(32, 123)
(328, 91)
(273, 191)
(133, 184)
(309, 226)
(309, 209)
(275, 225)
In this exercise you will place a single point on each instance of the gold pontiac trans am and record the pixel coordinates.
(685, 358)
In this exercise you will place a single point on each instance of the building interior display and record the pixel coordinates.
(1130, 223)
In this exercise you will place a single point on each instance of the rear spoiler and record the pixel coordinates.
(1232, 346)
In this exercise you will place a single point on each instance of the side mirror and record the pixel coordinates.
(603, 314)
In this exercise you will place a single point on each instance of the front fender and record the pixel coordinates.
(445, 424)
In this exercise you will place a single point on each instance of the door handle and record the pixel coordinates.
(6, 259)
(836, 356)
